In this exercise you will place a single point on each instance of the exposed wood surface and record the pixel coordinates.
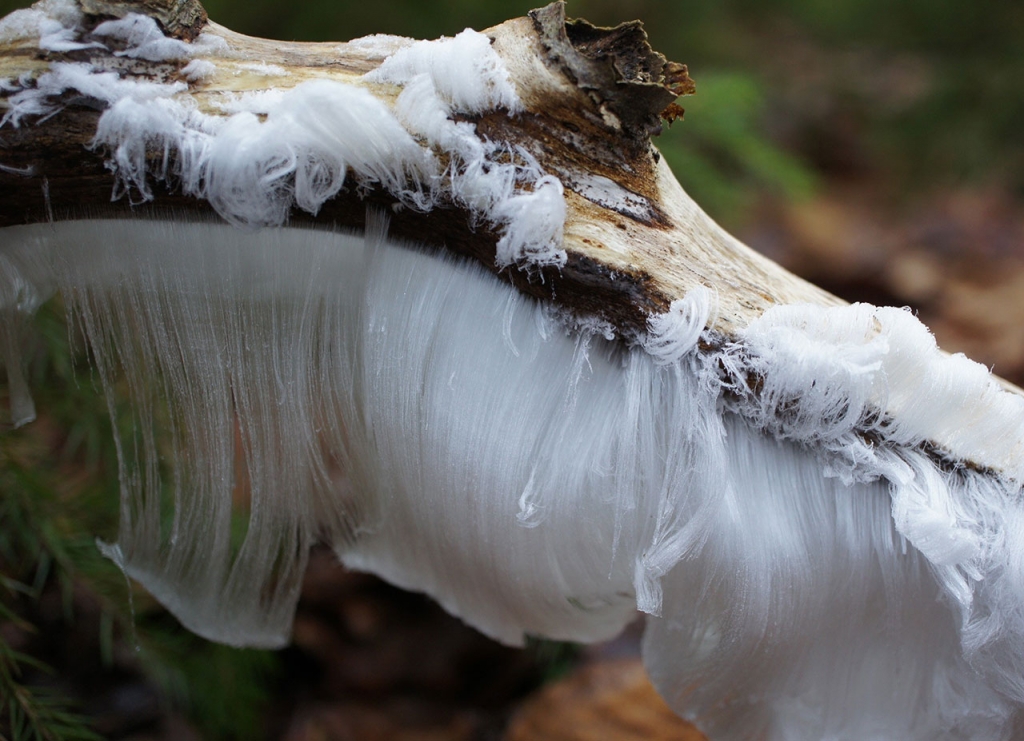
(593, 97)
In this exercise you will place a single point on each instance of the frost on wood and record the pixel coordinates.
(533, 379)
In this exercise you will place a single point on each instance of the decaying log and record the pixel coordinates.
(592, 98)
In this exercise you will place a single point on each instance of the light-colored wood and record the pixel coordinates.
(591, 101)
(634, 239)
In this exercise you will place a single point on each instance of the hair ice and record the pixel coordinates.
(457, 438)
(822, 515)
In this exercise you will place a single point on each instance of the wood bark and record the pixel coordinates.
(593, 99)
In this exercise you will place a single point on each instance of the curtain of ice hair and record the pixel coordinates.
(806, 617)
(301, 385)
(212, 335)
(466, 451)
(256, 365)
(827, 372)
(445, 432)
(24, 285)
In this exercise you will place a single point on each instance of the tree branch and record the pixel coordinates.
(591, 99)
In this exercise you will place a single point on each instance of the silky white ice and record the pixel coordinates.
(802, 579)
(277, 150)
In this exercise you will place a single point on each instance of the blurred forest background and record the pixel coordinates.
(872, 146)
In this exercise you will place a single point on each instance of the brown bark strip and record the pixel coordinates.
(182, 19)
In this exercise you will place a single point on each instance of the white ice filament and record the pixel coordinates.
(441, 430)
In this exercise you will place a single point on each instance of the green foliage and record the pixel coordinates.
(222, 688)
(42, 541)
(721, 154)
(557, 659)
(28, 713)
(965, 124)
